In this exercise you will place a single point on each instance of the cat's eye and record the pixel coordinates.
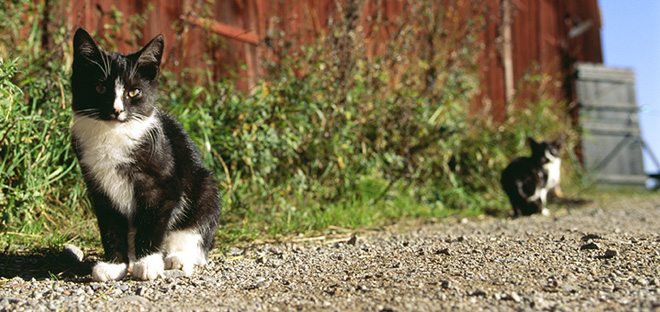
(100, 89)
(134, 93)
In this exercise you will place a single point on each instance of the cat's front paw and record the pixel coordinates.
(180, 261)
(149, 267)
(104, 271)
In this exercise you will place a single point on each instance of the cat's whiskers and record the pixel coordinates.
(153, 135)
(106, 62)
(105, 68)
(89, 112)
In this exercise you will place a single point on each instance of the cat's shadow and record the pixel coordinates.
(40, 264)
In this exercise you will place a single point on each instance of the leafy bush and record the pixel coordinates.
(331, 125)
(334, 134)
(40, 188)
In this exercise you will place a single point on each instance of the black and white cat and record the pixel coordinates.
(156, 204)
(528, 180)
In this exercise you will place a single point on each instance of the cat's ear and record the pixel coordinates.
(149, 57)
(84, 46)
(532, 143)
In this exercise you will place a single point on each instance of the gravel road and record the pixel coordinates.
(600, 256)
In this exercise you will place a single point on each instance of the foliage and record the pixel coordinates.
(40, 190)
(340, 132)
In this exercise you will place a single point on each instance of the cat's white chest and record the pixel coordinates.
(553, 169)
(105, 146)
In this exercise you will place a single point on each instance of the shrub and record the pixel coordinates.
(334, 134)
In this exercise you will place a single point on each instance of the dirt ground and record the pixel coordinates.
(601, 256)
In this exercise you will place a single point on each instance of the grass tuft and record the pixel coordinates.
(332, 136)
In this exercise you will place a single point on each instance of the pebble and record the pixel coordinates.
(495, 265)
(590, 246)
(611, 253)
(590, 237)
(72, 253)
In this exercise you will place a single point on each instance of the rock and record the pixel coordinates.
(478, 292)
(611, 253)
(134, 299)
(173, 273)
(233, 251)
(590, 237)
(446, 284)
(72, 253)
(590, 246)
(352, 241)
(444, 251)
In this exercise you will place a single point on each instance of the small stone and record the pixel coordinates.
(515, 297)
(170, 275)
(478, 292)
(444, 251)
(233, 251)
(590, 237)
(134, 299)
(352, 241)
(611, 253)
(590, 246)
(72, 253)
(568, 288)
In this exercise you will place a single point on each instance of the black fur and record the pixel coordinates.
(164, 166)
(526, 176)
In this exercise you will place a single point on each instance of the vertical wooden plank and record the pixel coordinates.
(611, 144)
(538, 36)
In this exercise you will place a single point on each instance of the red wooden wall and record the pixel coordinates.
(539, 35)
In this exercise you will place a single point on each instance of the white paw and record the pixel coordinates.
(180, 261)
(149, 267)
(104, 271)
(545, 212)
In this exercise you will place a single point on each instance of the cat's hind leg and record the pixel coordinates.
(183, 251)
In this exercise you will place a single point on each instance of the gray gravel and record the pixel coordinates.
(602, 256)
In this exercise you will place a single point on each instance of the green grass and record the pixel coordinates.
(329, 138)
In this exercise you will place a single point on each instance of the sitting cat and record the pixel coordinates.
(527, 180)
(156, 205)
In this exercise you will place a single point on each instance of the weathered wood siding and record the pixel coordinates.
(539, 35)
(609, 117)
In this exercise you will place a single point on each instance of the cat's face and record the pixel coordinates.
(114, 87)
(545, 150)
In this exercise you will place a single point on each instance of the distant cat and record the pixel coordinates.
(156, 204)
(527, 180)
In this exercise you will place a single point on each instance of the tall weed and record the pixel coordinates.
(40, 187)
(339, 132)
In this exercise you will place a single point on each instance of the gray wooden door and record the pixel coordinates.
(611, 139)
